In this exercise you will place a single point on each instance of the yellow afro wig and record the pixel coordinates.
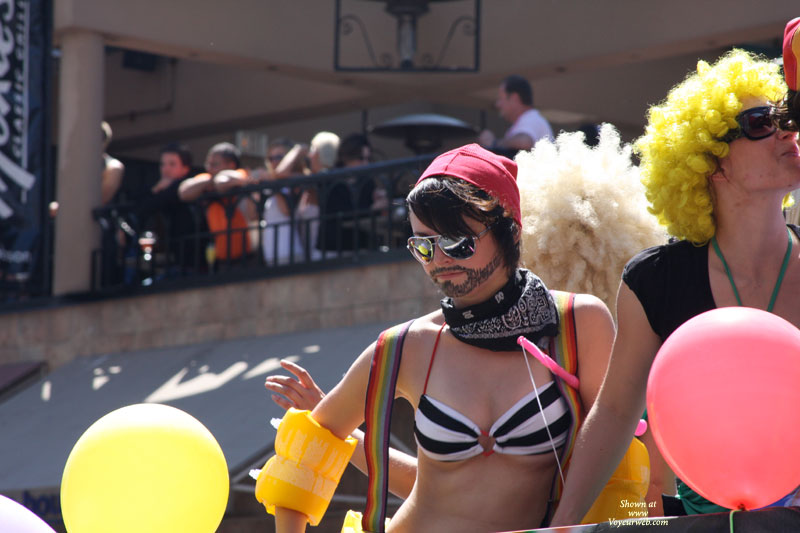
(584, 213)
(681, 145)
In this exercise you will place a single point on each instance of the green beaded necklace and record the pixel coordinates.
(780, 274)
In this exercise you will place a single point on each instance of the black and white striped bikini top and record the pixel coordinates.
(444, 434)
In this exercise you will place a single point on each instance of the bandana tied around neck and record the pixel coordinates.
(523, 306)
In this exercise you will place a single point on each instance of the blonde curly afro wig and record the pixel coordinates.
(681, 145)
(584, 213)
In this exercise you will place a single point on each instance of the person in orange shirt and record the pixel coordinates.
(225, 217)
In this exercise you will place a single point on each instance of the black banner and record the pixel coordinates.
(24, 139)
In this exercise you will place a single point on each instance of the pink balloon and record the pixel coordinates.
(723, 401)
(19, 519)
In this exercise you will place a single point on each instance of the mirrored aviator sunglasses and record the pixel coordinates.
(422, 248)
(754, 123)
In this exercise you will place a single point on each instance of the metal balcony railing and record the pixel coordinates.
(343, 216)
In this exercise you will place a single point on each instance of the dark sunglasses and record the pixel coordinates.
(754, 123)
(454, 247)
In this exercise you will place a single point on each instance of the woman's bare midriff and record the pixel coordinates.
(486, 493)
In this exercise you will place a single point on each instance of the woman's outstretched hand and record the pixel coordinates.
(301, 393)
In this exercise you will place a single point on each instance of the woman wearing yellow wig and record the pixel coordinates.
(717, 171)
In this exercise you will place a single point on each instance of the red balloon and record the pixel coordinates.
(723, 402)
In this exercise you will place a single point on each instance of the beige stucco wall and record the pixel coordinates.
(262, 63)
(393, 291)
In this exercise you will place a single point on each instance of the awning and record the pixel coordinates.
(219, 383)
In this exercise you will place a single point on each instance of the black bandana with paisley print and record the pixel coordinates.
(523, 306)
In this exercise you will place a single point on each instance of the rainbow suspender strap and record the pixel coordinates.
(564, 350)
(378, 416)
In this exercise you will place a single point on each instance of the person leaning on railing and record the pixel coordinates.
(280, 239)
(223, 174)
(162, 211)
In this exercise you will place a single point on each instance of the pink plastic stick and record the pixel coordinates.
(547, 361)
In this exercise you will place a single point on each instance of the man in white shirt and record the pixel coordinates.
(515, 104)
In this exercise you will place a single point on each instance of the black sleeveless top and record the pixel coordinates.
(671, 282)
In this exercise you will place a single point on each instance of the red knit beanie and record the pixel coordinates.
(495, 174)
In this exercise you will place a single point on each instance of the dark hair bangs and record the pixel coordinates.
(443, 203)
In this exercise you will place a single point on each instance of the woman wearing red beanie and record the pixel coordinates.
(492, 424)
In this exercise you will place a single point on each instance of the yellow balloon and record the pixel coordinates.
(624, 495)
(145, 467)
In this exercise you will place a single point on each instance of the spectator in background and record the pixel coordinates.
(353, 198)
(322, 155)
(323, 152)
(110, 178)
(280, 239)
(113, 169)
(110, 182)
(276, 152)
(163, 212)
(354, 150)
(227, 217)
(515, 104)
(175, 165)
